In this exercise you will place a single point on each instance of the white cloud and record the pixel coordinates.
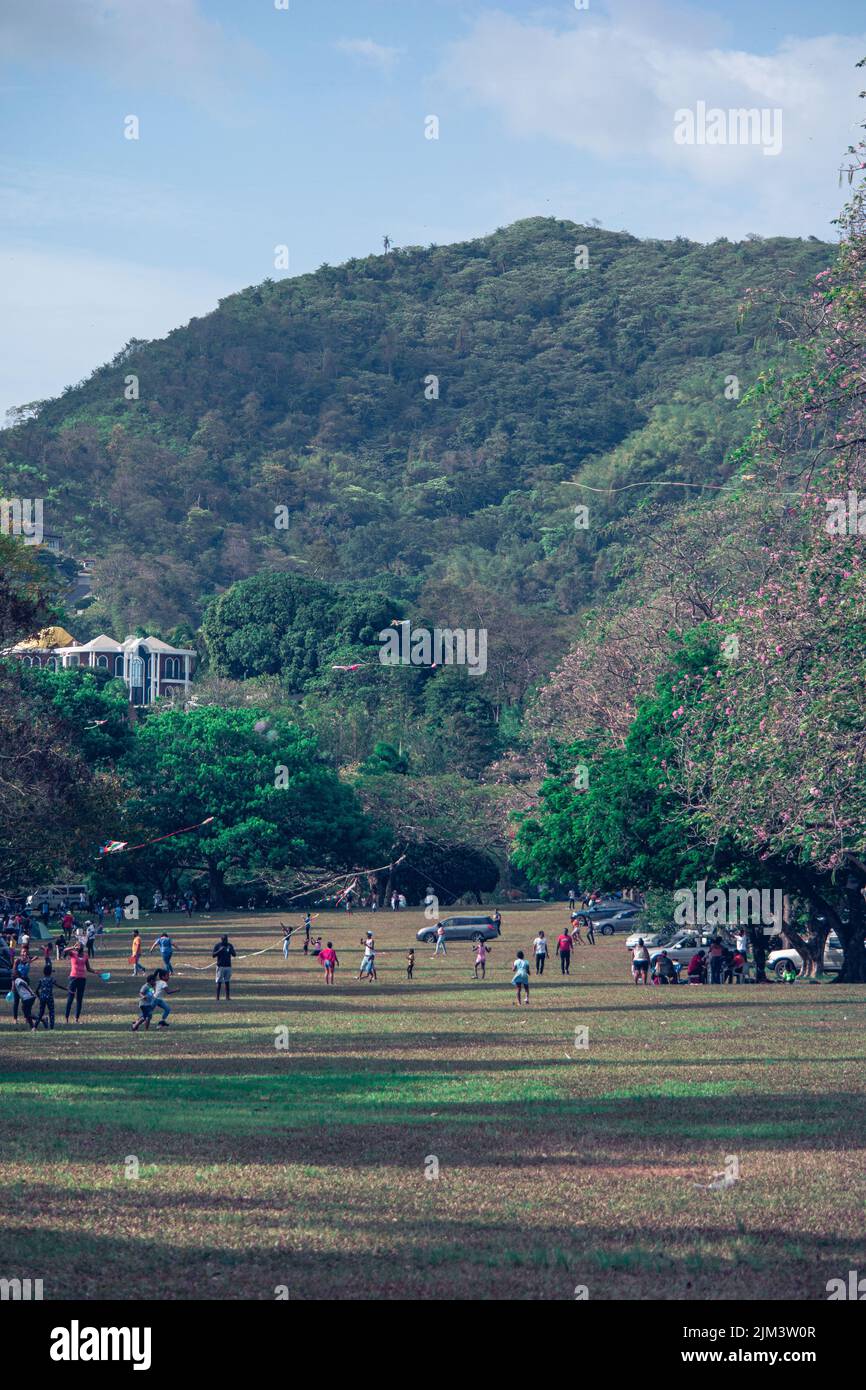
(376, 53)
(64, 313)
(610, 88)
(169, 44)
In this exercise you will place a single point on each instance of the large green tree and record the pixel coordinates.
(281, 815)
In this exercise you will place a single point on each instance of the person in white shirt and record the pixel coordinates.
(742, 941)
(159, 984)
(539, 946)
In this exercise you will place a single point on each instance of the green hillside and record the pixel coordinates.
(309, 394)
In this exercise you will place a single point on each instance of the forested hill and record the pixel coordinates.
(315, 394)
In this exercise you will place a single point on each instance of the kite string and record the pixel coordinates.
(127, 849)
(354, 874)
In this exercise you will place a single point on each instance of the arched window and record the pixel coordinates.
(118, 665)
(136, 672)
(102, 661)
(172, 668)
(28, 660)
(52, 663)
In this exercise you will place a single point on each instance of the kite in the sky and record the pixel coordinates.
(120, 846)
(357, 666)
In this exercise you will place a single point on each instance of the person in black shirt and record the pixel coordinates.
(223, 952)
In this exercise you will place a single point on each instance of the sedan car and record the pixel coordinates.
(461, 929)
(682, 946)
(607, 920)
(651, 938)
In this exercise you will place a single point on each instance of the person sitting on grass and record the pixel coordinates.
(520, 978)
(664, 970)
(738, 965)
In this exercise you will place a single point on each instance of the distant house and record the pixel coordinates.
(150, 668)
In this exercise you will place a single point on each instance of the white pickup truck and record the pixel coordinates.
(779, 961)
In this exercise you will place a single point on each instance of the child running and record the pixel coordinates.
(520, 978)
(158, 982)
(25, 996)
(145, 1006)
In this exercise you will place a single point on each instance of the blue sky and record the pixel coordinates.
(305, 127)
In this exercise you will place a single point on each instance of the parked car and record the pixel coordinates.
(683, 944)
(779, 961)
(461, 929)
(57, 895)
(608, 920)
(652, 938)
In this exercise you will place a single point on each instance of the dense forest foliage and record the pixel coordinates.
(410, 421)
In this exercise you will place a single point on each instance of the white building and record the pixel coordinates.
(150, 668)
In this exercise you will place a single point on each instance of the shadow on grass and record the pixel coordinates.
(440, 1258)
(380, 1119)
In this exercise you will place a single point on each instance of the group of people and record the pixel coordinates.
(721, 963)
(29, 986)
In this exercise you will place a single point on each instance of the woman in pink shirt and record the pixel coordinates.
(328, 957)
(79, 966)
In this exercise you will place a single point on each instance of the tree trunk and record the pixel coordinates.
(216, 884)
(853, 970)
(759, 951)
(810, 948)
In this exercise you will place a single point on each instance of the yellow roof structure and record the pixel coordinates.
(46, 639)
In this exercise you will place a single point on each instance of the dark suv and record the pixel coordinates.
(461, 929)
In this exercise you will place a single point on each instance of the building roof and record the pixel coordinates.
(46, 639)
(102, 643)
(154, 644)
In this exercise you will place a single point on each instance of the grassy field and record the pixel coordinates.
(304, 1167)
